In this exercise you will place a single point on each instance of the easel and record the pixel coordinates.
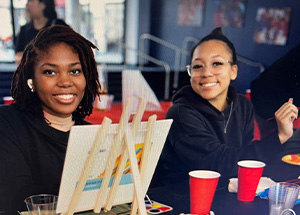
(123, 142)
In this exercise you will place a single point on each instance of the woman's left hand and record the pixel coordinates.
(285, 117)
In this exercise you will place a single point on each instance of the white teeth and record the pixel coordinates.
(208, 84)
(68, 96)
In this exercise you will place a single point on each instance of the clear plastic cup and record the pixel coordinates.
(42, 204)
(282, 196)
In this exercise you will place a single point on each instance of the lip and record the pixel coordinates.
(65, 98)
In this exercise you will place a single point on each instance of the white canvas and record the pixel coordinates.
(80, 142)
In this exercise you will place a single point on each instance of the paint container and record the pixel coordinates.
(154, 207)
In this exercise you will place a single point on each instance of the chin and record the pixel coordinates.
(207, 96)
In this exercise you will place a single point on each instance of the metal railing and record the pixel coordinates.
(178, 52)
(107, 68)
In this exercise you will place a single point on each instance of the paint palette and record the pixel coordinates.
(154, 207)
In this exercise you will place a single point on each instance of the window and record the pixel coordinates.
(100, 21)
(6, 33)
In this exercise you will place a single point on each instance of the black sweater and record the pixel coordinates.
(201, 137)
(31, 157)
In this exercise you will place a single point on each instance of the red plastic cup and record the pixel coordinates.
(249, 174)
(8, 100)
(203, 184)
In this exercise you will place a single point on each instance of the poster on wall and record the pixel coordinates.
(190, 12)
(272, 26)
(230, 13)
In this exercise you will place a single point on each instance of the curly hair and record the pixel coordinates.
(46, 38)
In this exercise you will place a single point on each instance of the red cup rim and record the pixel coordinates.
(251, 164)
(205, 174)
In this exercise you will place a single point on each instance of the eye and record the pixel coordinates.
(48, 72)
(76, 71)
(197, 66)
(217, 63)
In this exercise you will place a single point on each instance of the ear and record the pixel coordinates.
(234, 70)
(30, 84)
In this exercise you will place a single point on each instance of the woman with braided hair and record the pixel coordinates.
(53, 88)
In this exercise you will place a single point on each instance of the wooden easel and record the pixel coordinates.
(123, 143)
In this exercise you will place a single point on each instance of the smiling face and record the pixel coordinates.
(211, 82)
(59, 80)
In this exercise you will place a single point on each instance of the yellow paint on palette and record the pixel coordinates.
(156, 205)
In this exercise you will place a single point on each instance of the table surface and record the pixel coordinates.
(224, 202)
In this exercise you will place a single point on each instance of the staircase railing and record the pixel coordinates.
(150, 59)
(178, 52)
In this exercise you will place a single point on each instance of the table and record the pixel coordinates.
(225, 203)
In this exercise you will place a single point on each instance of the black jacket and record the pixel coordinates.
(201, 137)
(31, 157)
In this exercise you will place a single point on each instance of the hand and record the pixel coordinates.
(285, 117)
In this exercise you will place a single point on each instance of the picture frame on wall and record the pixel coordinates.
(272, 26)
(190, 12)
(230, 13)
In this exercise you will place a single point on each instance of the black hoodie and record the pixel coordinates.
(203, 138)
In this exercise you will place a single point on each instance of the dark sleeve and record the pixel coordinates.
(292, 145)
(268, 147)
(16, 181)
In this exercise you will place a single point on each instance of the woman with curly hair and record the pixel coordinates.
(53, 88)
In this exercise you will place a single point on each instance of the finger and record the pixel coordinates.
(286, 107)
(288, 114)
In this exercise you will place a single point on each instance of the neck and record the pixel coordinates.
(59, 123)
(221, 106)
(39, 22)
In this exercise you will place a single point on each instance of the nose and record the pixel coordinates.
(65, 80)
(206, 71)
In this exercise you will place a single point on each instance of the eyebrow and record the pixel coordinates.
(54, 65)
(214, 56)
